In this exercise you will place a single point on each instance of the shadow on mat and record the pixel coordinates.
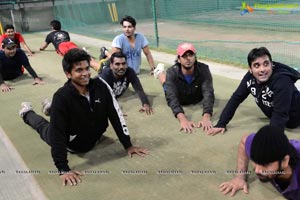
(109, 149)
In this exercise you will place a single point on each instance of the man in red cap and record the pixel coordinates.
(188, 82)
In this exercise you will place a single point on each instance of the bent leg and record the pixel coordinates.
(38, 123)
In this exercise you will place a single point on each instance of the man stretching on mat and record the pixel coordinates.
(12, 63)
(79, 116)
(188, 82)
(130, 44)
(61, 41)
(272, 85)
(119, 75)
(275, 159)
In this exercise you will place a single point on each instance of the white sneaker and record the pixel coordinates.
(46, 106)
(159, 69)
(85, 49)
(25, 107)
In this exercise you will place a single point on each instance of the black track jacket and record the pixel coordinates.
(278, 98)
(78, 124)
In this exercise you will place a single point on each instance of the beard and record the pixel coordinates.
(119, 73)
(187, 68)
(269, 176)
(263, 178)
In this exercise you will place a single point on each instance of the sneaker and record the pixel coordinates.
(25, 107)
(85, 49)
(46, 106)
(102, 53)
(159, 69)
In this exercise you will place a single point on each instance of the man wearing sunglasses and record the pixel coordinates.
(12, 61)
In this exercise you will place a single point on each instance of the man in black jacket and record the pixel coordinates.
(79, 116)
(272, 85)
(188, 82)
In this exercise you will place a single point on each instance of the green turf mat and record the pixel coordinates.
(165, 173)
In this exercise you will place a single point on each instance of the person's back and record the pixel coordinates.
(56, 37)
(59, 38)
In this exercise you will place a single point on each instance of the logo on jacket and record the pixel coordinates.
(97, 100)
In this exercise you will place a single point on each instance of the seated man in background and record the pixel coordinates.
(131, 44)
(272, 85)
(9, 30)
(119, 76)
(12, 61)
(275, 159)
(188, 82)
(79, 116)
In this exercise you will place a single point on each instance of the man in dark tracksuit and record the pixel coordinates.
(188, 82)
(79, 115)
(272, 85)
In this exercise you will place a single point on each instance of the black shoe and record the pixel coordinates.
(102, 53)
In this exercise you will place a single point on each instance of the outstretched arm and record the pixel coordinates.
(25, 46)
(44, 46)
(239, 181)
(137, 86)
(3, 86)
(240, 94)
(149, 57)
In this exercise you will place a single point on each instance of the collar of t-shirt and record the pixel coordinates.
(188, 78)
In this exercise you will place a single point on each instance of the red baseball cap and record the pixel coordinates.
(184, 47)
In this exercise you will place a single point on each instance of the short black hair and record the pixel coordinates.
(258, 52)
(56, 25)
(73, 56)
(128, 19)
(269, 144)
(117, 55)
(8, 26)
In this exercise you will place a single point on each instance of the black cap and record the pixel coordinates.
(269, 144)
(7, 42)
